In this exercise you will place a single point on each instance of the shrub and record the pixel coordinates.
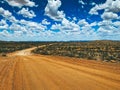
(4, 54)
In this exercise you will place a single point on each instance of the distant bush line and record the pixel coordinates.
(7, 47)
(94, 50)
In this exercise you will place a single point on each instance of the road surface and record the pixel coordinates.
(25, 71)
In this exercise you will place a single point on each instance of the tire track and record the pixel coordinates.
(5, 75)
(99, 76)
(35, 72)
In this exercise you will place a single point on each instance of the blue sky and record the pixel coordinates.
(59, 20)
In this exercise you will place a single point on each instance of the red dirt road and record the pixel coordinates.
(24, 71)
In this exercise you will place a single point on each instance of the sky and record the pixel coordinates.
(59, 20)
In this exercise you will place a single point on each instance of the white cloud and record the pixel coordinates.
(109, 15)
(5, 13)
(25, 30)
(79, 29)
(113, 5)
(110, 29)
(20, 3)
(107, 31)
(33, 25)
(116, 24)
(69, 26)
(12, 19)
(45, 22)
(82, 22)
(81, 2)
(4, 33)
(68, 30)
(93, 3)
(2, 1)
(105, 23)
(107, 28)
(51, 10)
(74, 19)
(3, 24)
(25, 12)
(96, 8)
(86, 28)
(56, 26)
(93, 24)
(18, 33)
(17, 27)
(108, 6)
(66, 27)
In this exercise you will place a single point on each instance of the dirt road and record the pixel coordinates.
(25, 71)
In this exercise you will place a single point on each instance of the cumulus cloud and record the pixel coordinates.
(56, 26)
(7, 15)
(45, 22)
(51, 10)
(66, 27)
(108, 6)
(19, 28)
(82, 22)
(2, 1)
(3, 24)
(113, 5)
(32, 25)
(69, 26)
(95, 9)
(77, 29)
(25, 12)
(81, 2)
(108, 28)
(117, 24)
(74, 19)
(25, 30)
(86, 28)
(28, 29)
(109, 15)
(93, 3)
(20, 3)
(4, 34)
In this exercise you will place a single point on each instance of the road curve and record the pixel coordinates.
(23, 71)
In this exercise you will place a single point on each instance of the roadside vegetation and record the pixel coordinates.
(7, 47)
(93, 50)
